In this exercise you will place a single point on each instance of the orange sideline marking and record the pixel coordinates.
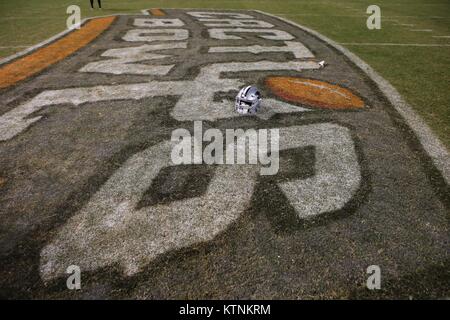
(37, 61)
(157, 12)
(314, 93)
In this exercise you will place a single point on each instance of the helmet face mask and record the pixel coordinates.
(248, 100)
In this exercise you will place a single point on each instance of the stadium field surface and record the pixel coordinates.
(415, 62)
(87, 175)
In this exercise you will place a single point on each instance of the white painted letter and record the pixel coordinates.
(374, 21)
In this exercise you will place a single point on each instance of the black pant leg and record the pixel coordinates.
(99, 3)
(92, 4)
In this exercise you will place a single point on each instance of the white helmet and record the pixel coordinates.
(248, 100)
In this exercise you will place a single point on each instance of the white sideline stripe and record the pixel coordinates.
(394, 44)
(421, 30)
(39, 45)
(445, 37)
(430, 143)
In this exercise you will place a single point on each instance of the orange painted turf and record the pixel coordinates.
(156, 12)
(37, 61)
(313, 93)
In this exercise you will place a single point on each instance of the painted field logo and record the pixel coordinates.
(115, 209)
(241, 147)
(137, 139)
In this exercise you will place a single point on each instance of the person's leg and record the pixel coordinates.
(92, 4)
(99, 4)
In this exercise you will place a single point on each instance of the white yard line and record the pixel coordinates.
(363, 14)
(33, 17)
(421, 30)
(7, 47)
(444, 37)
(394, 44)
(320, 15)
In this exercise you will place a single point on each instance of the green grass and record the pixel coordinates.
(421, 74)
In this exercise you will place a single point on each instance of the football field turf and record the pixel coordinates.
(420, 73)
(88, 176)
